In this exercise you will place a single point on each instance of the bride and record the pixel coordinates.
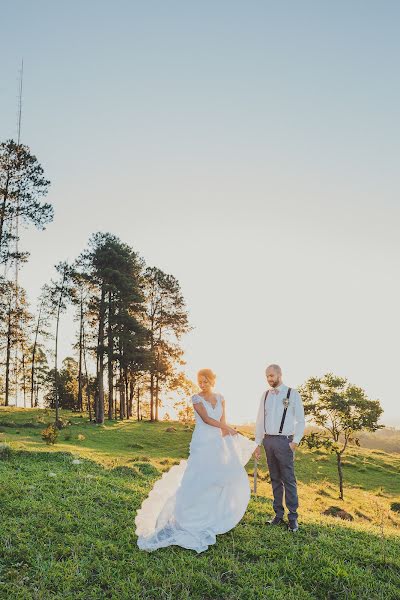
(205, 495)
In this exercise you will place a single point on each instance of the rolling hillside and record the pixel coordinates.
(67, 521)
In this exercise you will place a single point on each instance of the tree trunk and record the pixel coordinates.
(100, 351)
(156, 402)
(80, 375)
(33, 375)
(121, 383)
(152, 397)
(56, 348)
(121, 396)
(23, 375)
(89, 407)
(138, 404)
(34, 354)
(152, 365)
(8, 357)
(340, 472)
(96, 402)
(121, 401)
(131, 393)
(126, 392)
(110, 348)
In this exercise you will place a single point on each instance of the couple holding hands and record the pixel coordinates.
(208, 493)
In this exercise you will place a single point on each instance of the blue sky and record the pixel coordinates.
(251, 149)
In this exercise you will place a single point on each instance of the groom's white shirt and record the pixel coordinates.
(294, 421)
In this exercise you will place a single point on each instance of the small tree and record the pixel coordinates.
(57, 294)
(185, 388)
(67, 386)
(40, 330)
(166, 321)
(342, 410)
(50, 434)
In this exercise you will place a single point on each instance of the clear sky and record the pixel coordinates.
(251, 149)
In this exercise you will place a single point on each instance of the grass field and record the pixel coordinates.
(67, 529)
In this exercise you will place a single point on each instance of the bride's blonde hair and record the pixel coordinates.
(208, 374)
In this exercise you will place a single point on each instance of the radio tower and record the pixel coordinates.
(21, 76)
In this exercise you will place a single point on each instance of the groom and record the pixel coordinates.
(280, 427)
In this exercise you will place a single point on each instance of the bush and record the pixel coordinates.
(147, 469)
(395, 506)
(50, 434)
(62, 423)
(335, 511)
(141, 459)
(5, 451)
(124, 471)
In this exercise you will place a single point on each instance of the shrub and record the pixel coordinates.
(395, 506)
(147, 469)
(5, 451)
(335, 511)
(50, 434)
(141, 459)
(125, 471)
(8, 424)
(62, 423)
(323, 492)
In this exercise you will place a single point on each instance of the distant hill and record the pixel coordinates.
(387, 439)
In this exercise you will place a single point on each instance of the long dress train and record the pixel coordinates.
(203, 496)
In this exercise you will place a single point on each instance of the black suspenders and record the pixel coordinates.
(284, 412)
(265, 399)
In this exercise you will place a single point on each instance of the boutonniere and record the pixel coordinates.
(285, 402)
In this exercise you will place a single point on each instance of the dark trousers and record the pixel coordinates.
(280, 459)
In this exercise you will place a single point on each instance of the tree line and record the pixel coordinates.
(130, 317)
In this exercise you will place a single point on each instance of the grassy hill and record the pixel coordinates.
(67, 529)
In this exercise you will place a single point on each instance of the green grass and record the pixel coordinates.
(67, 530)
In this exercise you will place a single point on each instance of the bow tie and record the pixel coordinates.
(274, 391)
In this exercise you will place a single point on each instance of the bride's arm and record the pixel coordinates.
(201, 410)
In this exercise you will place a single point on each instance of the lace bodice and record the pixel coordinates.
(215, 412)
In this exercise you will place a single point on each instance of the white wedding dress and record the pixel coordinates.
(203, 496)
